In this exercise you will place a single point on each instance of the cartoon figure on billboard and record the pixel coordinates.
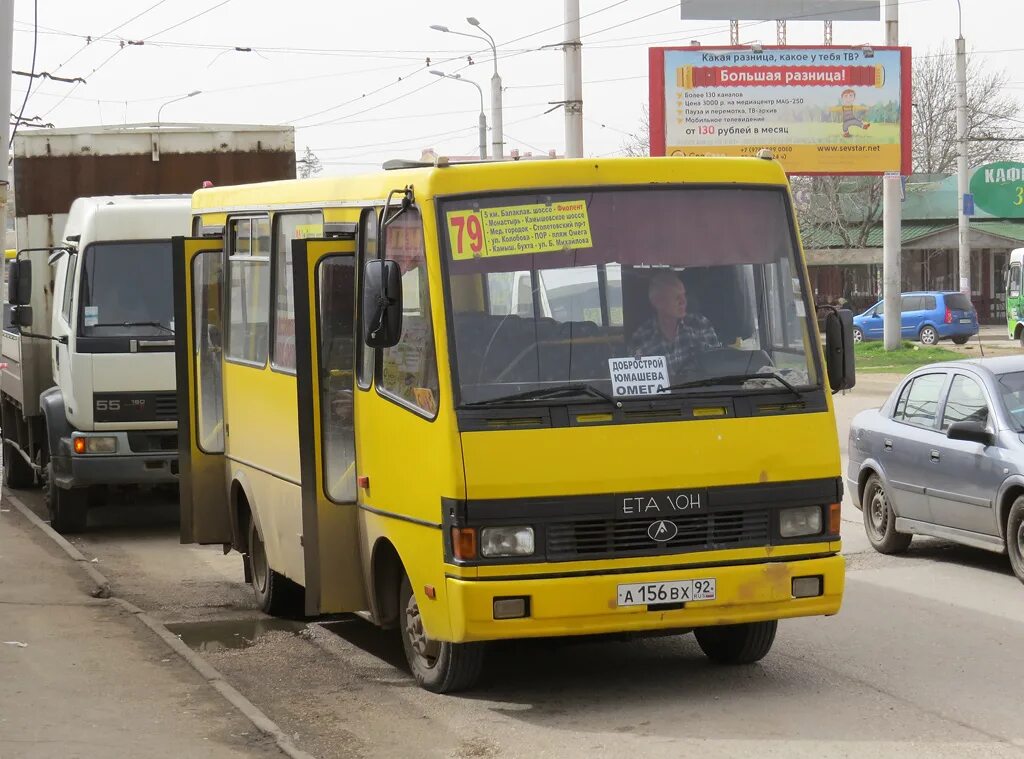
(849, 110)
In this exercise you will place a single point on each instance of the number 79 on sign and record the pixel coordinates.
(466, 234)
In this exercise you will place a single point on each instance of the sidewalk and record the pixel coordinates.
(92, 681)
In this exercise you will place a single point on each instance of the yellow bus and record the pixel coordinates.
(504, 400)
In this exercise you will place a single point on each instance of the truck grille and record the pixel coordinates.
(596, 538)
(165, 406)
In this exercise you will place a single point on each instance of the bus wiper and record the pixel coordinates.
(133, 324)
(548, 393)
(732, 379)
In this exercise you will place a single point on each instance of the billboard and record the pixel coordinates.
(821, 110)
(790, 10)
(998, 189)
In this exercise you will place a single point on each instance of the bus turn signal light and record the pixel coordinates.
(464, 543)
(835, 511)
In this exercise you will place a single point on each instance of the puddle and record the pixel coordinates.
(233, 633)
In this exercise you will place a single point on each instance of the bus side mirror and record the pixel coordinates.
(19, 282)
(21, 317)
(382, 303)
(839, 360)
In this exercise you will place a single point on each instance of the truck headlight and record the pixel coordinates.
(100, 444)
(506, 541)
(803, 520)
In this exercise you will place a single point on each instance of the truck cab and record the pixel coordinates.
(105, 317)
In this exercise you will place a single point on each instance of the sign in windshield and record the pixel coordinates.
(646, 290)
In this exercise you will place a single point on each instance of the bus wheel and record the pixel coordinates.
(276, 595)
(737, 644)
(68, 509)
(17, 472)
(439, 667)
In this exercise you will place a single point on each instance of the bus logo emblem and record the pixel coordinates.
(662, 531)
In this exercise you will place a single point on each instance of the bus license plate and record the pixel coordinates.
(678, 591)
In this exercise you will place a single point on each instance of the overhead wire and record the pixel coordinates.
(32, 77)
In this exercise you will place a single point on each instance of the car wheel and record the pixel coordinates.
(858, 335)
(961, 339)
(1015, 537)
(276, 595)
(737, 644)
(928, 336)
(880, 519)
(438, 666)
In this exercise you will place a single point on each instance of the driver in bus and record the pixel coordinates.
(673, 331)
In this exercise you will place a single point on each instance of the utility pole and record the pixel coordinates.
(573, 81)
(892, 218)
(963, 221)
(6, 64)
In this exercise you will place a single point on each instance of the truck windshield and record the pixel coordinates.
(625, 293)
(126, 290)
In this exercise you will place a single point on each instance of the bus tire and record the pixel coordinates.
(17, 472)
(68, 509)
(737, 644)
(275, 594)
(437, 666)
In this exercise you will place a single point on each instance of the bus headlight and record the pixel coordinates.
(803, 520)
(506, 541)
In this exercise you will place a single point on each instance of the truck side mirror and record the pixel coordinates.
(19, 282)
(21, 317)
(382, 303)
(839, 360)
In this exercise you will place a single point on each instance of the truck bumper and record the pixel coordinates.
(155, 465)
(587, 605)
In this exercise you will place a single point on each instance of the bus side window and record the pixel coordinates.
(336, 283)
(249, 304)
(409, 368)
(288, 226)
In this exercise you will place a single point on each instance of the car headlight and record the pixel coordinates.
(506, 541)
(802, 520)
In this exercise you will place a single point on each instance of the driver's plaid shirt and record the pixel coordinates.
(695, 334)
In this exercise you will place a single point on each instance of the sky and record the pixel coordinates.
(353, 78)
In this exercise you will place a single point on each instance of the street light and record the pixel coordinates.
(483, 118)
(156, 134)
(497, 135)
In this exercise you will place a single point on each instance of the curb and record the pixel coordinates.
(215, 679)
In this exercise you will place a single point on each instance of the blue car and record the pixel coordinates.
(927, 316)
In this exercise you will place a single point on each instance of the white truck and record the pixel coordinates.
(87, 396)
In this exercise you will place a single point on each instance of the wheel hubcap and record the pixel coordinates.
(258, 556)
(879, 513)
(1020, 539)
(857, 336)
(928, 337)
(425, 649)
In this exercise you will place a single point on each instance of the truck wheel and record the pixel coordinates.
(437, 666)
(68, 509)
(276, 595)
(737, 644)
(17, 472)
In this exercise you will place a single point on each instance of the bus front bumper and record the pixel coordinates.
(588, 605)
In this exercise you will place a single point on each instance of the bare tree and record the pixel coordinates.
(841, 207)
(309, 165)
(991, 114)
(638, 143)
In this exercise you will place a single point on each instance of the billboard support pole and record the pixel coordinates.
(828, 32)
(734, 32)
(780, 31)
(892, 221)
(963, 221)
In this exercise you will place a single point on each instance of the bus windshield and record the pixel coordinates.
(126, 290)
(625, 294)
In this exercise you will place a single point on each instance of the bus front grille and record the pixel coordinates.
(597, 538)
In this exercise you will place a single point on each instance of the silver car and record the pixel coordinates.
(944, 456)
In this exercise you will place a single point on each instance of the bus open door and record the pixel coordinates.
(325, 349)
(198, 307)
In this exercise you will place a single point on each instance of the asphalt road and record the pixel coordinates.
(924, 660)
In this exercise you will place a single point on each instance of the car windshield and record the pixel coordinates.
(1011, 390)
(126, 290)
(626, 292)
